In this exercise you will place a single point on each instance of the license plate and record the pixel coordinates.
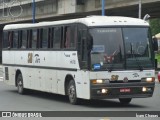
(125, 90)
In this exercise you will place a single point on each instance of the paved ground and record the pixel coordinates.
(10, 100)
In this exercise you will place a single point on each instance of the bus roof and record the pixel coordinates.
(89, 21)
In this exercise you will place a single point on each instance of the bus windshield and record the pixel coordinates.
(121, 48)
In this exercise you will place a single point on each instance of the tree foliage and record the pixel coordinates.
(155, 26)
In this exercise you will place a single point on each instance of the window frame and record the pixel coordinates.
(61, 39)
(5, 41)
(51, 37)
(21, 39)
(32, 39)
(75, 37)
(17, 39)
(41, 30)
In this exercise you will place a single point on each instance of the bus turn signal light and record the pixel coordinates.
(97, 81)
(152, 79)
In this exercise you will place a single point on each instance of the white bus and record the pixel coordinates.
(96, 57)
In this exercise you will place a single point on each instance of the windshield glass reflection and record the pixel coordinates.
(120, 48)
(138, 49)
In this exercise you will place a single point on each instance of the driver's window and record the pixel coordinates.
(107, 45)
(136, 44)
(82, 46)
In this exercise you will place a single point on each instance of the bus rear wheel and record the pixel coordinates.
(125, 101)
(20, 87)
(72, 93)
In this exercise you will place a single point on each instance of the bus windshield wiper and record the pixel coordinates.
(112, 63)
(137, 61)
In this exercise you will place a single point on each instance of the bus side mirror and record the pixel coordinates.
(155, 44)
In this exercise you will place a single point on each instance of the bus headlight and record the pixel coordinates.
(104, 91)
(152, 79)
(144, 89)
(99, 81)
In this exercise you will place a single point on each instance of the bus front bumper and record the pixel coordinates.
(122, 90)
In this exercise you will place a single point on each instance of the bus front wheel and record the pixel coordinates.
(20, 87)
(125, 101)
(72, 93)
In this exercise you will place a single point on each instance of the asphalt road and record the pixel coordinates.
(10, 100)
(34, 101)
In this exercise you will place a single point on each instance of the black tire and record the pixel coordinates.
(125, 101)
(71, 91)
(20, 86)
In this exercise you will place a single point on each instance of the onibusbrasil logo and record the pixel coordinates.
(12, 8)
(21, 114)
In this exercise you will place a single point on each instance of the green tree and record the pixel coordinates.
(155, 26)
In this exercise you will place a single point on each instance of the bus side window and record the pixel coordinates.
(51, 37)
(69, 37)
(44, 38)
(5, 40)
(15, 39)
(73, 36)
(10, 39)
(23, 39)
(34, 38)
(58, 35)
(29, 38)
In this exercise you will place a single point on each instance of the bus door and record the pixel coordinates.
(83, 58)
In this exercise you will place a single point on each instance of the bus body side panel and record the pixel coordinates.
(26, 74)
(82, 84)
(24, 63)
(67, 64)
(9, 76)
(9, 72)
(50, 80)
(45, 73)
